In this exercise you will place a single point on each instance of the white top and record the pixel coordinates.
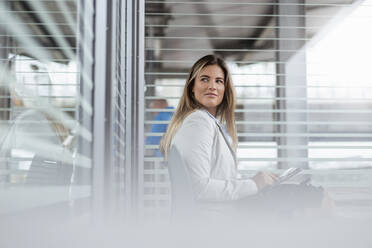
(210, 160)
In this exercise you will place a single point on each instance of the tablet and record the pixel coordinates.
(287, 174)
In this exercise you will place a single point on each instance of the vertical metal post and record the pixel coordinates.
(4, 92)
(291, 73)
(128, 104)
(85, 22)
(109, 110)
(140, 97)
(135, 101)
(132, 39)
(5, 103)
(101, 121)
(125, 171)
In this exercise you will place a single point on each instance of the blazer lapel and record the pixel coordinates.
(228, 144)
(224, 137)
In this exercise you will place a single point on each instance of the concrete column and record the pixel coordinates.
(291, 77)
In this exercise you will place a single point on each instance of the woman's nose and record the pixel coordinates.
(212, 85)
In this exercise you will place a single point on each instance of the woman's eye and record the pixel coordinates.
(204, 79)
(219, 81)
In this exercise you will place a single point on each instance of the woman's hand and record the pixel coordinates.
(264, 178)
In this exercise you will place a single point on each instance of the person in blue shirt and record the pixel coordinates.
(159, 128)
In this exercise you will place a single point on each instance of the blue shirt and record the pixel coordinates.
(159, 128)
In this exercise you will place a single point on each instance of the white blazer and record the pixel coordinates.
(210, 160)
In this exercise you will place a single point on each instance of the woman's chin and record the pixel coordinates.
(210, 104)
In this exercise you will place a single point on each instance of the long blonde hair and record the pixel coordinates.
(188, 104)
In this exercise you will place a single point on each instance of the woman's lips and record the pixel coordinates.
(210, 94)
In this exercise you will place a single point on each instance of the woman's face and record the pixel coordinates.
(209, 87)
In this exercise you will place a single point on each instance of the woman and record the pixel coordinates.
(203, 133)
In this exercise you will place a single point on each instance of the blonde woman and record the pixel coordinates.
(202, 136)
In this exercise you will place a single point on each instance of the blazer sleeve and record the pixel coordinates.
(195, 142)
